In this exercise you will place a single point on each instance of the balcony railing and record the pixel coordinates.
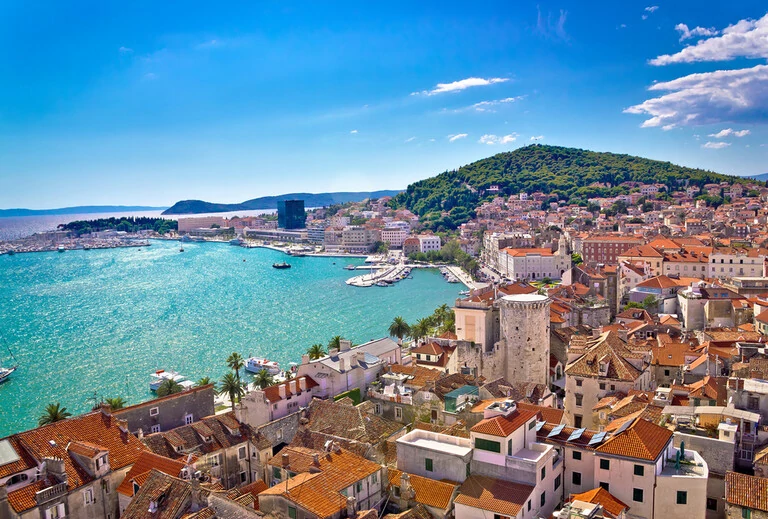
(50, 493)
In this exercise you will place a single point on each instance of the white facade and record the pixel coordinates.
(395, 236)
(429, 243)
(187, 224)
(531, 264)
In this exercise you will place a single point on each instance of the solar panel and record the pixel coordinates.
(599, 437)
(624, 426)
(557, 430)
(539, 425)
(575, 435)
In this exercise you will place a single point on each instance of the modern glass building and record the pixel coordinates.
(290, 214)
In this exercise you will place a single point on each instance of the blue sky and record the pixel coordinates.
(153, 102)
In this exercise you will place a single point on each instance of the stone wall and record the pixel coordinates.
(170, 411)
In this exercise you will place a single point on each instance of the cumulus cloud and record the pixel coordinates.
(496, 139)
(462, 84)
(535, 138)
(708, 98)
(744, 39)
(715, 145)
(728, 132)
(686, 33)
(456, 137)
(353, 132)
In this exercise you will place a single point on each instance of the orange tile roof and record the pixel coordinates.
(25, 461)
(601, 496)
(86, 449)
(548, 414)
(24, 498)
(419, 375)
(344, 467)
(429, 492)
(642, 440)
(272, 393)
(144, 463)
(430, 348)
(746, 491)
(311, 492)
(504, 425)
(494, 495)
(526, 252)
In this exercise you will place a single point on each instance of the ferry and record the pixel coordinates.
(257, 364)
(282, 265)
(158, 377)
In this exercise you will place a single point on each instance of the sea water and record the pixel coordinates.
(86, 325)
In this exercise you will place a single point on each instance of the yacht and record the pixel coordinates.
(158, 377)
(60, 248)
(5, 373)
(257, 364)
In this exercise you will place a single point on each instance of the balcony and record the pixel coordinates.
(390, 397)
(51, 492)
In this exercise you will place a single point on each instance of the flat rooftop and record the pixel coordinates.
(437, 442)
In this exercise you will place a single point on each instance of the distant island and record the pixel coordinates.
(270, 202)
(81, 209)
(762, 177)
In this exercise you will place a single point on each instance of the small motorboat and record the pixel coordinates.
(382, 284)
(350, 267)
(181, 249)
(282, 265)
(5, 373)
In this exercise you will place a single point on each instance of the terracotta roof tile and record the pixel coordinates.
(429, 492)
(746, 491)
(146, 462)
(494, 495)
(642, 440)
(504, 425)
(601, 496)
(272, 393)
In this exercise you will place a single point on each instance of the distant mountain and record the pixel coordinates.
(270, 202)
(761, 178)
(81, 209)
(564, 173)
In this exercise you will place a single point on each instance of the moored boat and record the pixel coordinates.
(158, 377)
(5, 373)
(350, 267)
(257, 364)
(282, 265)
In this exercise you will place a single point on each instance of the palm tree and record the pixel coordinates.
(399, 328)
(316, 351)
(205, 381)
(231, 385)
(169, 387)
(235, 362)
(263, 379)
(421, 329)
(335, 342)
(53, 413)
(442, 314)
(115, 403)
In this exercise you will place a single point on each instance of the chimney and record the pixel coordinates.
(197, 500)
(353, 361)
(623, 334)
(345, 345)
(341, 365)
(351, 507)
(360, 357)
(292, 386)
(303, 383)
(285, 460)
(316, 459)
(333, 352)
(305, 359)
(55, 467)
(105, 408)
(406, 491)
(140, 434)
(281, 390)
(336, 447)
(122, 425)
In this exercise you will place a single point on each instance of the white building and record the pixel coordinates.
(395, 236)
(429, 242)
(729, 262)
(531, 264)
(271, 403)
(187, 224)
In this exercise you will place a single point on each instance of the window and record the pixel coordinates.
(377, 409)
(576, 455)
(543, 473)
(487, 445)
(602, 385)
(606, 486)
(243, 477)
(55, 512)
(577, 421)
(18, 478)
(215, 460)
(101, 461)
(746, 513)
(637, 495)
(578, 383)
(529, 505)
(605, 464)
(712, 504)
(105, 486)
(292, 512)
(576, 478)
(358, 487)
(666, 372)
(613, 387)
(639, 470)
(543, 498)
(398, 413)
(241, 453)
(579, 400)
(682, 497)
(557, 482)
(374, 478)
(155, 428)
(188, 419)
(88, 496)
(532, 425)
(154, 411)
(428, 464)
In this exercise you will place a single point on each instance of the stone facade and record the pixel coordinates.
(525, 337)
(169, 412)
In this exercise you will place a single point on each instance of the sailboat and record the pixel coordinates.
(6, 372)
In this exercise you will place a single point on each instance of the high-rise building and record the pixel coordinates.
(290, 214)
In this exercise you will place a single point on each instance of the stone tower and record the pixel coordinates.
(525, 337)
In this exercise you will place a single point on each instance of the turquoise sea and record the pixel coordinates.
(99, 322)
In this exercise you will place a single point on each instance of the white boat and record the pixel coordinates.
(350, 267)
(158, 377)
(257, 364)
(5, 373)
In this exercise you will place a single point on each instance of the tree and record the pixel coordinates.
(316, 351)
(230, 385)
(399, 328)
(650, 303)
(53, 413)
(169, 387)
(576, 258)
(421, 329)
(335, 342)
(205, 381)
(263, 379)
(235, 363)
(381, 247)
(115, 403)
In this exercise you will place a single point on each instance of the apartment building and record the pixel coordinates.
(271, 403)
(607, 249)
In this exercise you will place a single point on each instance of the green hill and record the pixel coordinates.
(564, 173)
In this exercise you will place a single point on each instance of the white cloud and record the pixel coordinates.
(495, 139)
(463, 84)
(744, 39)
(456, 137)
(125, 50)
(410, 139)
(537, 138)
(353, 132)
(715, 145)
(652, 9)
(727, 132)
(686, 33)
(487, 106)
(716, 97)
(552, 28)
